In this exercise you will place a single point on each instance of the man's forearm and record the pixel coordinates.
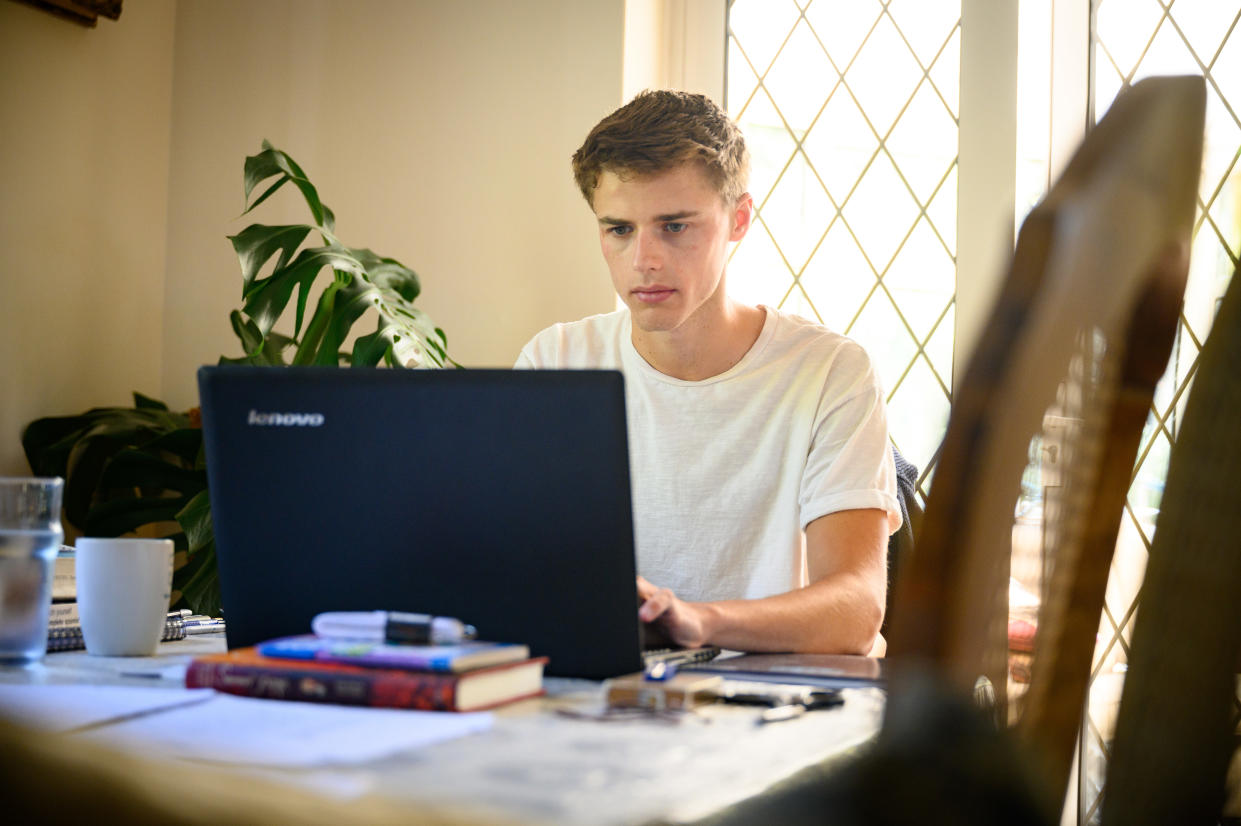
(837, 615)
(839, 612)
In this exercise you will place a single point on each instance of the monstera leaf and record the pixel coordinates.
(359, 281)
(84, 448)
(130, 470)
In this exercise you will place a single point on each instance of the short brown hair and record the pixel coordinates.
(659, 130)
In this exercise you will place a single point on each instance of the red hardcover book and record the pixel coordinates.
(247, 673)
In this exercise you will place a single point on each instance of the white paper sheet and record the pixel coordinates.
(244, 730)
(61, 708)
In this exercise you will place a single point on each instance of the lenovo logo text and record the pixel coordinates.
(258, 419)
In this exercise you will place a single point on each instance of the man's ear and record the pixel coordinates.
(743, 216)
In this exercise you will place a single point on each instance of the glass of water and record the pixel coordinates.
(30, 536)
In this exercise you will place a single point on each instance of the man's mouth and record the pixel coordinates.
(653, 294)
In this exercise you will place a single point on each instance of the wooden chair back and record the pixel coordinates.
(1082, 326)
(1176, 729)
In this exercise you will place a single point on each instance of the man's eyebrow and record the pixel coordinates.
(671, 216)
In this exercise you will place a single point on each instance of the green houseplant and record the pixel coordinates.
(141, 469)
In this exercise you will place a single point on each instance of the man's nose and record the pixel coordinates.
(647, 254)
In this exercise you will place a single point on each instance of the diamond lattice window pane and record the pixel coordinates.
(926, 24)
(880, 330)
(943, 211)
(760, 27)
(919, 436)
(940, 346)
(922, 279)
(924, 142)
(1128, 25)
(837, 280)
(798, 303)
(946, 73)
(1123, 592)
(883, 76)
(1219, 159)
(1108, 82)
(793, 210)
(756, 272)
(841, 144)
(770, 145)
(1180, 377)
(1205, 259)
(741, 80)
(1226, 73)
(1222, 228)
(881, 211)
(1168, 55)
(802, 60)
(842, 25)
(1226, 229)
(1204, 24)
(1172, 390)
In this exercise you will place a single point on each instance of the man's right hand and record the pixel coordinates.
(684, 623)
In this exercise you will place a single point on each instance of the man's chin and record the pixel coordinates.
(654, 325)
(656, 319)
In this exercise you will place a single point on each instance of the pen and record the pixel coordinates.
(817, 699)
(775, 714)
(392, 626)
(203, 626)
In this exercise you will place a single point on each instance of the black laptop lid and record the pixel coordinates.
(497, 496)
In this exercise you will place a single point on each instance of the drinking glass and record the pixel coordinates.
(30, 537)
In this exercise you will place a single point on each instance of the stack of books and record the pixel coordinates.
(469, 676)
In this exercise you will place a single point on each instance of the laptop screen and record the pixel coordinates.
(500, 497)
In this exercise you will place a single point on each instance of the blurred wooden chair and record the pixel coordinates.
(1083, 326)
(1177, 718)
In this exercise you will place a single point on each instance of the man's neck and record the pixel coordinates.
(702, 348)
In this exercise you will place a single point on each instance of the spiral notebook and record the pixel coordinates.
(69, 637)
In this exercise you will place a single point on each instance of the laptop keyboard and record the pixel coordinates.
(678, 656)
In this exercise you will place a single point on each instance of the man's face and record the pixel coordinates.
(665, 238)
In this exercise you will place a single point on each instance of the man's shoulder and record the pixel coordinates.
(800, 337)
(593, 341)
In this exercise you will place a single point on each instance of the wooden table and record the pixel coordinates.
(550, 760)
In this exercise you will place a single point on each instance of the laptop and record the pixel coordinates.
(500, 497)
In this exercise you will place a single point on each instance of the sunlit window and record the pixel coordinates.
(850, 111)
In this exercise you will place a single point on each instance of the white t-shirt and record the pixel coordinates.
(727, 472)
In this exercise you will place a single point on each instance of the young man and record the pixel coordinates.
(763, 482)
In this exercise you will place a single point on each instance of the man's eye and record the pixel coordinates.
(619, 230)
(675, 226)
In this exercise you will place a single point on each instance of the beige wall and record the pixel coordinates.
(439, 132)
(84, 120)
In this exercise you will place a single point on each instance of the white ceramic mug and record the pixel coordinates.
(124, 586)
